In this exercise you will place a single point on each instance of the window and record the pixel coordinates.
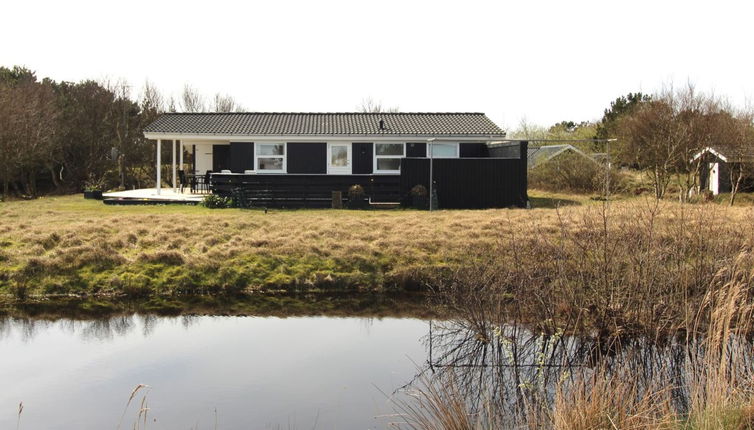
(270, 157)
(339, 156)
(387, 157)
(443, 150)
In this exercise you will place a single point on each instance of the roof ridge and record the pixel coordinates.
(322, 113)
(326, 123)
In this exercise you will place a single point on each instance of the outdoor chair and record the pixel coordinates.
(182, 179)
(199, 183)
(207, 179)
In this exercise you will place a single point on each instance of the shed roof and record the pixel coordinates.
(730, 153)
(325, 124)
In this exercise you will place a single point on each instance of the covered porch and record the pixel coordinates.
(179, 178)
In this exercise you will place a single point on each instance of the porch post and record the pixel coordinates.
(180, 155)
(159, 162)
(174, 171)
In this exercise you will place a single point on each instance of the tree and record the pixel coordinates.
(650, 141)
(65, 133)
(152, 98)
(563, 131)
(737, 131)
(27, 130)
(529, 131)
(661, 135)
(85, 131)
(225, 103)
(368, 105)
(128, 145)
(191, 100)
(152, 105)
(623, 105)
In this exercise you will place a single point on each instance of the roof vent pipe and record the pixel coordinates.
(382, 124)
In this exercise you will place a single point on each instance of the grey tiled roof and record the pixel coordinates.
(325, 124)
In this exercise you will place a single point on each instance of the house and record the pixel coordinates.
(716, 164)
(299, 159)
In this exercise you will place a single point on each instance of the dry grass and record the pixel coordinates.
(718, 377)
(635, 267)
(67, 245)
(628, 316)
(705, 382)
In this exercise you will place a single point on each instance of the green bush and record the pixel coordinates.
(214, 201)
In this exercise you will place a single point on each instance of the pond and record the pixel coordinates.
(239, 372)
(318, 362)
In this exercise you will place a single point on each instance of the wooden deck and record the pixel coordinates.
(150, 196)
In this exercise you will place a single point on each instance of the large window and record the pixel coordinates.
(270, 157)
(387, 157)
(443, 150)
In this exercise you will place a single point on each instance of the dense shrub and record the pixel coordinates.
(574, 173)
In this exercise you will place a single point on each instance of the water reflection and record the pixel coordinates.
(514, 370)
(257, 372)
(101, 329)
(271, 371)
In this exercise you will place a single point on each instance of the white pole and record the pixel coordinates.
(180, 159)
(174, 169)
(159, 162)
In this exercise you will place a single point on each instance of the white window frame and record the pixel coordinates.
(257, 156)
(340, 170)
(380, 157)
(455, 144)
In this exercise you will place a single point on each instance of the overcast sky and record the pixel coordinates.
(545, 61)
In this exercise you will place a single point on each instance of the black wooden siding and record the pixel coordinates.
(462, 183)
(469, 150)
(311, 157)
(416, 149)
(363, 160)
(472, 183)
(220, 157)
(307, 157)
(313, 191)
(469, 183)
(241, 156)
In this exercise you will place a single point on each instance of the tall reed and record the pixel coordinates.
(613, 321)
